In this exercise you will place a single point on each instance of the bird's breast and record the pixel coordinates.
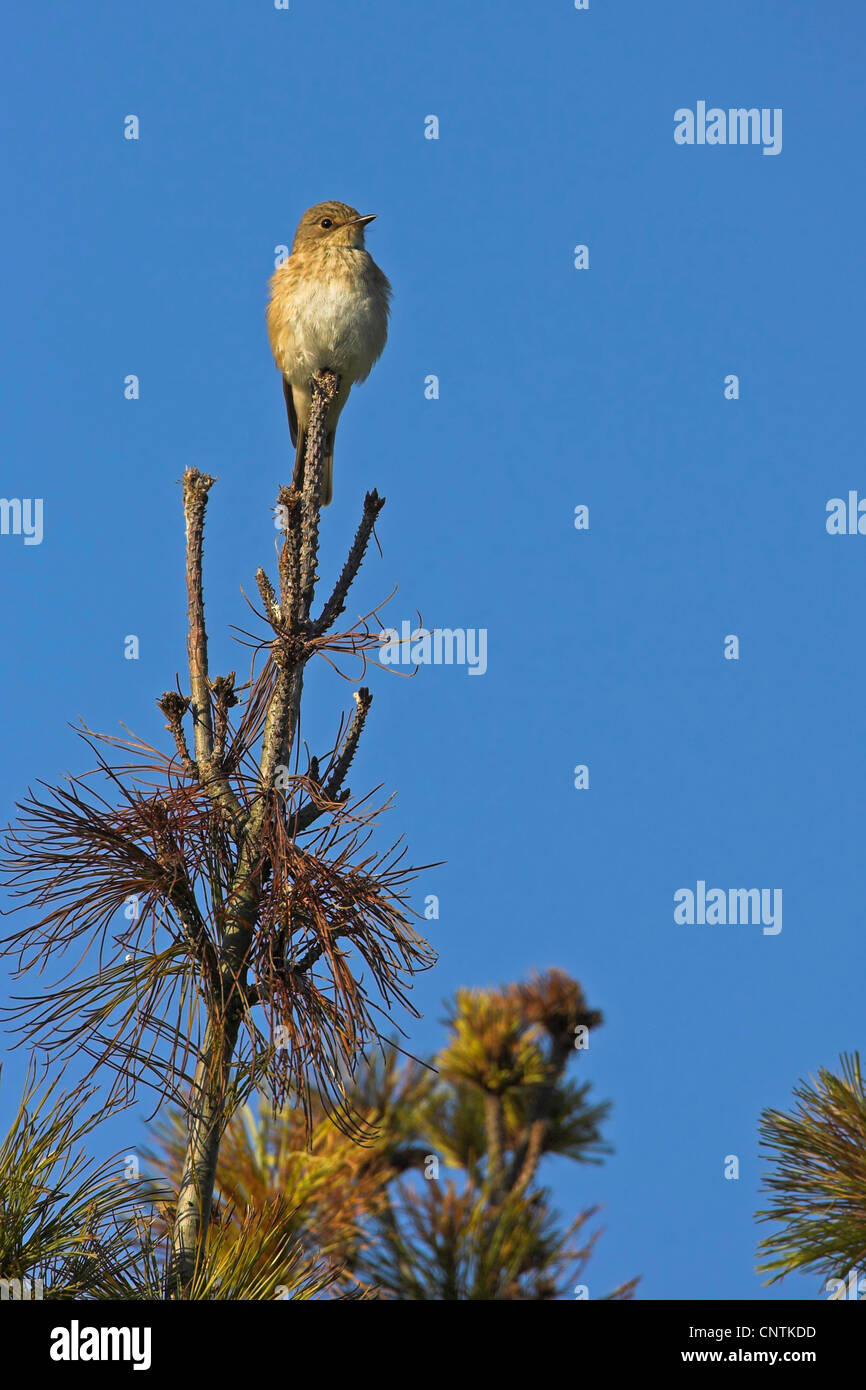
(329, 312)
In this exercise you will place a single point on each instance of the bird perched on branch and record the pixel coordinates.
(328, 310)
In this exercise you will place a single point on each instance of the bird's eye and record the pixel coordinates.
(326, 222)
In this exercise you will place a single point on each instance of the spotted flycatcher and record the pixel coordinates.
(328, 310)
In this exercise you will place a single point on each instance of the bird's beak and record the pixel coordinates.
(362, 221)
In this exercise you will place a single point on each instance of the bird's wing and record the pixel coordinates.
(290, 411)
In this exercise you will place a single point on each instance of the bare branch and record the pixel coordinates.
(325, 386)
(174, 706)
(373, 505)
(289, 503)
(332, 790)
(196, 487)
(223, 688)
(272, 609)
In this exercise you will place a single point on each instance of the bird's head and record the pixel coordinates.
(331, 224)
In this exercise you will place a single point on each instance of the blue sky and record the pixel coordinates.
(558, 387)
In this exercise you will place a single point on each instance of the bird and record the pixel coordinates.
(328, 310)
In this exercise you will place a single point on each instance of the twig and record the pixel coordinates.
(223, 688)
(174, 706)
(325, 386)
(196, 487)
(289, 502)
(331, 791)
(373, 505)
